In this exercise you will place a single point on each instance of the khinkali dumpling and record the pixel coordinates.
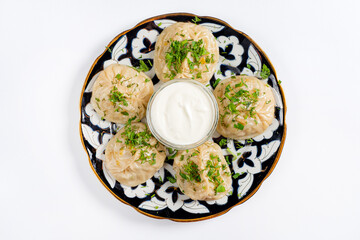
(246, 107)
(120, 93)
(133, 155)
(202, 173)
(186, 50)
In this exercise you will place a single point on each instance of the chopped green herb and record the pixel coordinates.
(125, 113)
(171, 179)
(117, 97)
(239, 126)
(118, 76)
(279, 82)
(223, 142)
(109, 50)
(135, 139)
(170, 150)
(184, 176)
(143, 67)
(232, 108)
(265, 72)
(220, 188)
(227, 160)
(196, 20)
(216, 82)
(248, 66)
(191, 172)
(229, 151)
(236, 175)
(159, 24)
(147, 80)
(98, 100)
(178, 52)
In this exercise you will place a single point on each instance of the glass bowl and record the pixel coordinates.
(213, 121)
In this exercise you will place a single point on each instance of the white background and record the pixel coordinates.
(48, 190)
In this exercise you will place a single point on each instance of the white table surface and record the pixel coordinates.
(48, 190)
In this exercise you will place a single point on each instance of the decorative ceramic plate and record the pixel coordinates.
(253, 159)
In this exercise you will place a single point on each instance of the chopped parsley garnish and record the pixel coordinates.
(239, 126)
(236, 175)
(178, 53)
(214, 166)
(223, 142)
(125, 113)
(240, 102)
(143, 67)
(279, 82)
(147, 80)
(196, 20)
(118, 76)
(265, 72)
(250, 140)
(216, 82)
(227, 160)
(248, 66)
(159, 24)
(135, 140)
(220, 188)
(171, 179)
(191, 172)
(109, 50)
(117, 97)
(229, 151)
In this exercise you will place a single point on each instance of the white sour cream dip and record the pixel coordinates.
(182, 113)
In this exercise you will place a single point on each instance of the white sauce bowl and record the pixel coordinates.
(182, 114)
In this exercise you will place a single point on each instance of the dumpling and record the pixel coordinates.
(246, 107)
(133, 155)
(202, 173)
(120, 93)
(186, 50)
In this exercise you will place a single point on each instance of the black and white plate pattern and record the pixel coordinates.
(253, 159)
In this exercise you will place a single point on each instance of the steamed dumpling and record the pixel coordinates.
(246, 107)
(202, 173)
(120, 93)
(133, 155)
(186, 50)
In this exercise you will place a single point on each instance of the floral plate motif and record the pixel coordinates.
(252, 160)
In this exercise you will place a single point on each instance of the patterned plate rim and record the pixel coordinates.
(282, 142)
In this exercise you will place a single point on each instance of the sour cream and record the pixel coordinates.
(182, 113)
